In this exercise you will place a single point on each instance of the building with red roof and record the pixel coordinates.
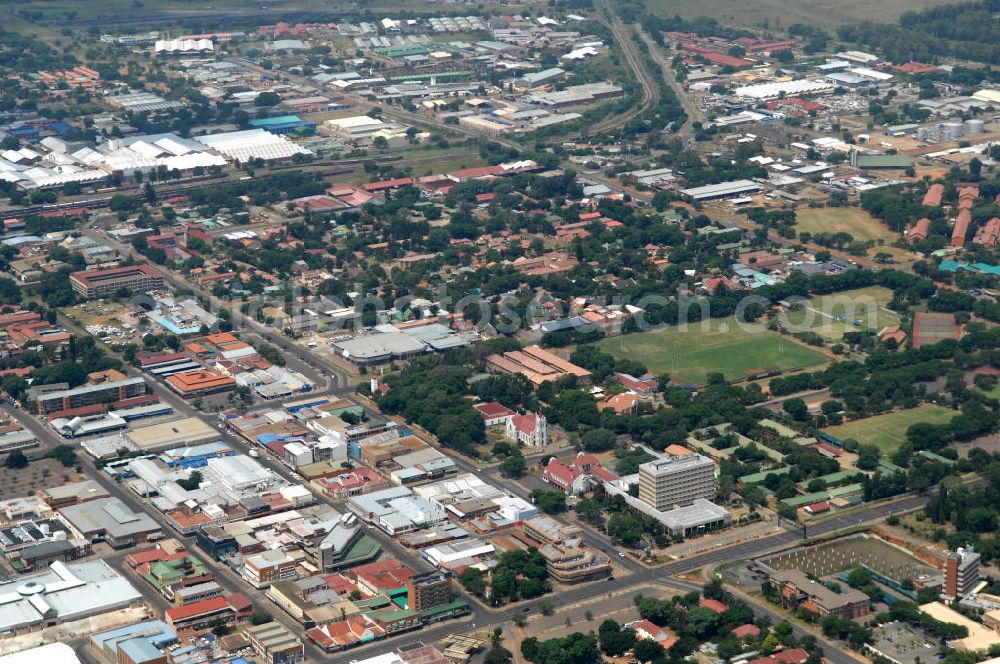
(199, 615)
(494, 414)
(713, 604)
(747, 631)
(383, 185)
(578, 476)
(104, 282)
(645, 629)
(988, 234)
(792, 656)
(531, 429)
(818, 508)
(961, 230)
(353, 482)
(638, 385)
(934, 195)
(919, 231)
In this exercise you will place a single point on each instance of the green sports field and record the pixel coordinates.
(888, 431)
(689, 354)
(832, 315)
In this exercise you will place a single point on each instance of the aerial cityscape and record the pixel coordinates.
(528, 332)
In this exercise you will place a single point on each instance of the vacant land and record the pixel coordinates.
(690, 353)
(778, 14)
(888, 431)
(831, 316)
(859, 224)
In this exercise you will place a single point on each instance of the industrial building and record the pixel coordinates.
(63, 593)
(677, 481)
(242, 146)
(795, 88)
(722, 190)
(185, 432)
(105, 282)
(109, 520)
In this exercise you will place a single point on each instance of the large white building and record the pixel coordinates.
(677, 481)
(64, 592)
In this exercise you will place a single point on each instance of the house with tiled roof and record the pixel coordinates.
(747, 631)
(645, 629)
(712, 604)
(578, 476)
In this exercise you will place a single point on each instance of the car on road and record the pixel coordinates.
(254, 453)
(296, 477)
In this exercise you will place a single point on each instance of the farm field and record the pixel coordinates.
(830, 316)
(888, 431)
(777, 14)
(690, 354)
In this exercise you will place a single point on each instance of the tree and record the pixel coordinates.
(615, 640)
(499, 655)
(513, 464)
(260, 618)
(550, 502)
(625, 527)
(380, 142)
(16, 460)
(646, 650)
(266, 98)
(797, 409)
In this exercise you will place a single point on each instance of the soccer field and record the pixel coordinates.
(888, 431)
(832, 315)
(690, 354)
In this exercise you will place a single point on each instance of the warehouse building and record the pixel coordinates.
(242, 146)
(186, 432)
(63, 593)
(722, 190)
(109, 520)
(105, 282)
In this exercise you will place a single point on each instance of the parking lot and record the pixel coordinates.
(904, 644)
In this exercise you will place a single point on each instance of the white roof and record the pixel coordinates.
(252, 144)
(355, 121)
(52, 653)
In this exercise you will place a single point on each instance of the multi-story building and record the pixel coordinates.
(798, 590)
(273, 643)
(425, 591)
(268, 566)
(104, 282)
(961, 572)
(57, 397)
(676, 481)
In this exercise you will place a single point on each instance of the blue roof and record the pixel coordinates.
(140, 650)
(162, 636)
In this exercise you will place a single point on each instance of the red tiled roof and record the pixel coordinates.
(197, 609)
(493, 410)
(713, 604)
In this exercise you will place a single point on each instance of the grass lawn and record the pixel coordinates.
(853, 220)
(688, 355)
(775, 14)
(832, 315)
(888, 431)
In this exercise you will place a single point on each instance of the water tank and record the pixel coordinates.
(974, 127)
(951, 130)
